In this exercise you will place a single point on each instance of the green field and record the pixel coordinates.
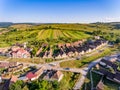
(55, 33)
(40, 34)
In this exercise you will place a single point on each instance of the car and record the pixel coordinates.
(52, 64)
(67, 68)
(78, 58)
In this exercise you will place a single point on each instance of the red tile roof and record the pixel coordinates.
(30, 75)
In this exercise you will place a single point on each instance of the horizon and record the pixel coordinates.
(59, 11)
(59, 22)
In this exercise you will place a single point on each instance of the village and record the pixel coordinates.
(10, 72)
(66, 50)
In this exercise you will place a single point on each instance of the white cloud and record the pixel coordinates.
(112, 19)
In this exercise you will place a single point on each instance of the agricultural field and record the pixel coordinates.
(41, 34)
(52, 34)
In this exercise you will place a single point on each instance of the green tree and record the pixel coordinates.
(17, 86)
(25, 88)
(118, 40)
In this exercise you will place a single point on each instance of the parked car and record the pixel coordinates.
(67, 68)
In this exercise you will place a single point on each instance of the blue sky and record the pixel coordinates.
(59, 11)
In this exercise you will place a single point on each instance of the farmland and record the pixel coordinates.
(52, 34)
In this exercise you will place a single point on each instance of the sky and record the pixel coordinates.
(60, 11)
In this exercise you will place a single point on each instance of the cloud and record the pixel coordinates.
(112, 19)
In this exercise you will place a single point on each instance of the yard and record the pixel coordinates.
(95, 78)
(68, 81)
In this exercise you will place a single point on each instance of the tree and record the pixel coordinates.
(55, 85)
(118, 40)
(25, 88)
(17, 86)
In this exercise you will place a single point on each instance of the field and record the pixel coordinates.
(52, 34)
(39, 34)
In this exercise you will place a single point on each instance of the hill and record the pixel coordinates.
(38, 34)
(5, 24)
(52, 34)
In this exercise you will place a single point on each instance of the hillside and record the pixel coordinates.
(40, 34)
(52, 34)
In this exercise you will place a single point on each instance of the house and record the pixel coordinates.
(97, 37)
(3, 51)
(52, 75)
(50, 53)
(100, 86)
(71, 49)
(20, 53)
(60, 45)
(57, 76)
(118, 57)
(107, 63)
(14, 68)
(39, 72)
(13, 79)
(39, 51)
(113, 76)
(67, 44)
(110, 76)
(7, 64)
(117, 77)
(23, 78)
(31, 76)
(4, 64)
(103, 72)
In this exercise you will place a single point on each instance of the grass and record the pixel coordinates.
(68, 80)
(35, 60)
(27, 60)
(2, 58)
(95, 77)
(85, 60)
